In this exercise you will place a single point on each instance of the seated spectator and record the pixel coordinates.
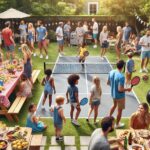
(141, 118)
(99, 140)
(25, 87)
(33, 121)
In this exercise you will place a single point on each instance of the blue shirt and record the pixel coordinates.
(23, 28)
(41, 31)
(130, 66)
(57, 117)
(126, 33)
(116, 79)
(72, 90)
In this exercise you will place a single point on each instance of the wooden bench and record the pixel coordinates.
(35, 75)
(19, 101)
(36, 142)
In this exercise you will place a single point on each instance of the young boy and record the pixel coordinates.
(72, 97)
(82, 54)
(129, 68)
(59, 117)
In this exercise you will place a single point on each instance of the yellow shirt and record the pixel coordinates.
(82, 50)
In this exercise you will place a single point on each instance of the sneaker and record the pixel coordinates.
(41, 56)
(34, 54)
(120, 125)
(95, 46)
(59, 139)
(96, 122)
(60, 54)
(87, 120)
(145, 70)
(75, 122)
(141, 70)
(46, 57)
(43, 108)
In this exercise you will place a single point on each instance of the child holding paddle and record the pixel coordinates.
(95, 98)
(72, 97)
(129, 68)
(83, 53)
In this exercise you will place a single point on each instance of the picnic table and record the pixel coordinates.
(10, 82)
(140, 137)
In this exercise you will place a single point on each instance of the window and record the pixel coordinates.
(92, 8)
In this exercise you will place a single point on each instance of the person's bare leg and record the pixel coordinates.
(95, 113)
(119, 116)
(50, 100)
(146, 63)
(90, 112)
(44, 99)
(77, 113)
(113, 108)
(142, 63)
(71, 112)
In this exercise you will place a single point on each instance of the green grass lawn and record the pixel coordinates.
(69, 129)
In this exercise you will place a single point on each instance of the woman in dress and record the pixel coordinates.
(118, 41)
(33, 121)
(27, 62)
(31, 37)
(141, 118)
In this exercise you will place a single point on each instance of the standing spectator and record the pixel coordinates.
(42, 33)
(104, 41)
(31, 37)
(145, 54)
(95, 32)
(27, 62)
(59, 117)
(99, 138)
(85, 27)
(67, 30)
(60, 38)
(9, 42)
(118, 41)
(126, 33)
(23, 32)
(72, 96)
(116, 80)
(80, 34)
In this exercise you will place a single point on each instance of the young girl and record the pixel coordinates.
(58, 117)
(25, 87)
(104, 41)
(33, 121)
(49, 86)
(95, 98)
(72, 97)
(27, 62)
(82, 56)
(129, 68)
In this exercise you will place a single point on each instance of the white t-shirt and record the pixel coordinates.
(145, 40)
(95, 28)
(80, 31)
(85, 27)
(59, 33)
(95, 93)
(103, 37)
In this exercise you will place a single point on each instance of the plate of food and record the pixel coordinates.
(144, 134)
(3, 144)
(136, 147)
(123, 134)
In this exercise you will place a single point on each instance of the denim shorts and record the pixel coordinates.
(59, 126)
(10, 48)
(105, 44)
(145, 54)
(95, 103)
(60, 42)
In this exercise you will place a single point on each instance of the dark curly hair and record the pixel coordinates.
(48, 72)
(72, 79)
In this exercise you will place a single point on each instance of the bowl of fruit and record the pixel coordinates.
(3, 144)
(20, 144)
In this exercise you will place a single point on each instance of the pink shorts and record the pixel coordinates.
(42, 43)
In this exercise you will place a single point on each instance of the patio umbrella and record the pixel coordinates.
(12, 14)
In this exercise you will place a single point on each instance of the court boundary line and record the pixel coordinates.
(87, 88)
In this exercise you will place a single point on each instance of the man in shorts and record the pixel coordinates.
(60, 38)
(9, 42)
(95, 32)
(23, 32)
(42, 33)
(67, 30)
(145, 53)
(116, 80)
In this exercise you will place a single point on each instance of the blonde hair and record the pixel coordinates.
(104, 29)
(119, 29)
(59, 100)
(30, 25)
(96, 81)
(26, 50)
